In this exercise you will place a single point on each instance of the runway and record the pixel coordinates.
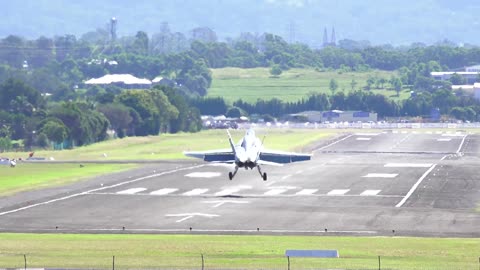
(386, 183)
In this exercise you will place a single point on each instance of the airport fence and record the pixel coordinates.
(202, 261)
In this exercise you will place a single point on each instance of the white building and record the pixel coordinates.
(121, 80)
(337, 116)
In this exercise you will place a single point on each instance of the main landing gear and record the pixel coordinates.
(231, 175)
(263, 175)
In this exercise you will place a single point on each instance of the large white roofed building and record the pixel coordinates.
(121, 80)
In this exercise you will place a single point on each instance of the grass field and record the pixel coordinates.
(292, 85)
(27, 176)
(233, 252)
(171, 146)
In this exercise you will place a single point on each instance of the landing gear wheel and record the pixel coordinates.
(264, 176)
(230, 175)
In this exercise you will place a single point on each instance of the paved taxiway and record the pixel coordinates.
(403, 183)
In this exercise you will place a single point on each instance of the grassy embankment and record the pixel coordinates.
(294, 84)
(237, 252)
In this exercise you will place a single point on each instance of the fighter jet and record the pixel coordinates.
(248, 154)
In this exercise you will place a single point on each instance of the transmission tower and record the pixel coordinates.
(325, 37)
(333, 42)
(113, 29)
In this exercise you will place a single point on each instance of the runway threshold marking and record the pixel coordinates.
(163, 191)
(196, 191)
(131, 191)
(370, 192)
(414, 187)
(306, 191)
(338, 192)
(98, 189)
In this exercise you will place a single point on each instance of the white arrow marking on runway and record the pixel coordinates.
(131, 191)
(190, 215)
(220, 203)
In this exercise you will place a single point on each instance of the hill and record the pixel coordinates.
(395, 22)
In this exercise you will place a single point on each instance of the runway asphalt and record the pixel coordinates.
(413, 183)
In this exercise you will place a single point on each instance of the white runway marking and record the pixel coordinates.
(220, 203)
(395, 132)
(404, 132)
(190, 215)
(163, 191)
(306, 191)
(131, 191)
(453, 135)
(335, 142)
(381, 175)
(196, 191)
(363, 139)
(203, 174)
(366, 134)
(338, 192)
(98, 189)
(227, 191)
(370, 192)
(444, 140)
(429, 132)
(407, 165)
(414, 187)
(286, 176)
(461, 144)
(275, 191)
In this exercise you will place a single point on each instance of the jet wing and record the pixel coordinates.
(221, 156)
(279, 157)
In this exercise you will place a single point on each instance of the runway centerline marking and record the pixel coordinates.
(363, 139)
(414, 187)
(99, 189)
(131, 191)
(381, 175)
(444, 140)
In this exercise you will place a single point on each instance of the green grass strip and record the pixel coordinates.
(233, 252)
(28, 176)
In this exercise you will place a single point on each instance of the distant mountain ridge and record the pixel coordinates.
(380, 22)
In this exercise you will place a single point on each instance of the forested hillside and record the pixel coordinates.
(380, 22)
